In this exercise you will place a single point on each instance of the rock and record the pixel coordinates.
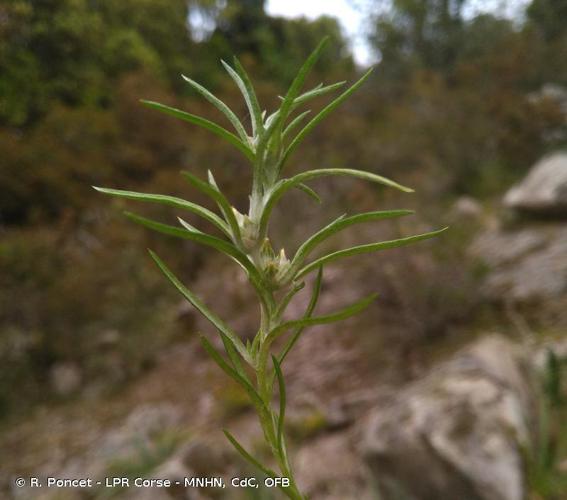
(330, 469)
(529, 264)
(65, 379)
(558, 347)
(458, 432)
(466, 208)
(544, 190)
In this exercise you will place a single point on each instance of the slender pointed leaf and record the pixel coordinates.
(309, 192)
(204, 123)
(255, 105)
(334, 227)
(317, 87)
(281, 415)
(308, 313)
(243, 83)
(345, 313)
(221, 106)
(282, 114)
(218, 323)
(221, 245)
(188, 226)
(286, 184)
(294, 123)
(171, 201)
(234, 357)
(188, 234)
(212, 190)
(321, 115)
(205, 239)
(317, 92)
(271, 118)
(249, 458)
(212, 181)
(371, 247)
(298, 81)
(287, 299)
(224, 366)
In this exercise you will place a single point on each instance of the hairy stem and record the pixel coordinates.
(267, 414)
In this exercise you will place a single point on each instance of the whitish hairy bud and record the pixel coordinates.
(248, 230)
(273, 265)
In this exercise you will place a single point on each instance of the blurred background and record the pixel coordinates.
(100, 368)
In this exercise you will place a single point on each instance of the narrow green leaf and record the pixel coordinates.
(282, 114)
(345, 313)
(297, 287)
(221, 106)
(317, 87)
(317, 92)
(281, 415)
(371, 247)
(219, 324)
(171, 201)
(188, 226)
(285, 185)
(223, 246)
(219, 360)
(249, 458)
(256, 110)
(268, 121)
(234, 357)
(298, 81)
(294, 123)
(211, 241)
(244, 84)
(309, 192)
(212, 190)
(308, 313)
(334, 227)
(321, 115)
(204, 123)
(188, 234)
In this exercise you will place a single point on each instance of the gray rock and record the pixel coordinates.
(329, 468)
(544, 190)
(525, 265)
(458, 432)
(466, 207)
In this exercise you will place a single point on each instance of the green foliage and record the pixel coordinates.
(428, 33)
(248, 243)
(278, 45)
(75, 48)
(48, 316)
(441, 68)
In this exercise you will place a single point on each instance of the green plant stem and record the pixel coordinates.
(267, 415)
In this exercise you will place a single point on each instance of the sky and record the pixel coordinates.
(350, 17)
(353, 19)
